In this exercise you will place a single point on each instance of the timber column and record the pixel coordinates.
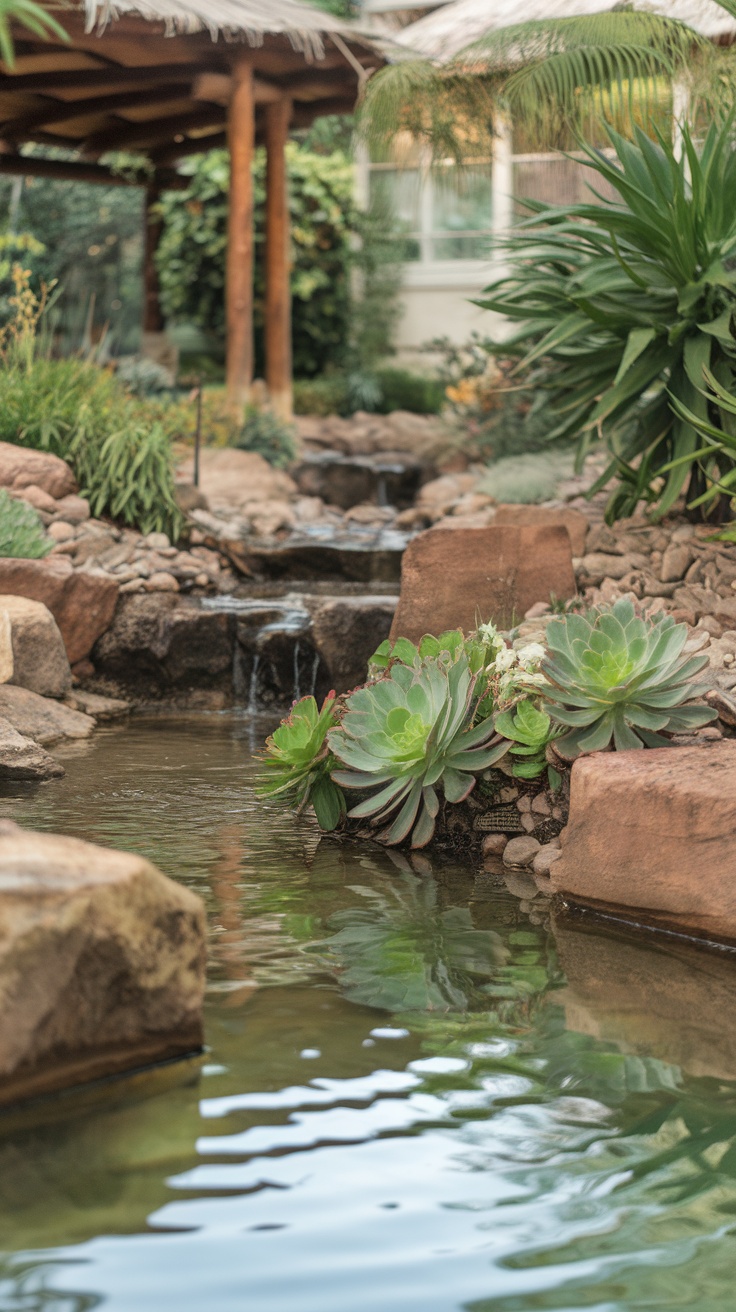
(239, 274)
(278, 288)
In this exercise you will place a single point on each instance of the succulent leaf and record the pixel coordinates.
(614, 676)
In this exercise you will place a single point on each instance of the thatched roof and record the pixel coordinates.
(154, 76)
(443, 33)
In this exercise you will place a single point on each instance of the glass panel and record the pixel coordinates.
(461, 200)
(395, 194)
(476, 247)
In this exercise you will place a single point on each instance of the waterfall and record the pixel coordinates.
(297, 690)
(253, 690)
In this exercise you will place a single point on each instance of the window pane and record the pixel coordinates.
(461, 248)
(461, 200)
(395, 196)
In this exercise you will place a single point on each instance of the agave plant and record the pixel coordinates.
(408, 735)
(297, 761)
(615, 676)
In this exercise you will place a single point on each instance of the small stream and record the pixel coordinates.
(422, 1093)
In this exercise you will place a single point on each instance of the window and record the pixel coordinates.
(443, 212)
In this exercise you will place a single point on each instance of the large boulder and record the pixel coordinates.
(6, 647)
(40, 718)
(159, 642)
(576, 523)
(22, 468)
(82, 603)
(651, 834)
(452, 577)
(39, 657)
(22, 758)
(346, 631)
(102, 964)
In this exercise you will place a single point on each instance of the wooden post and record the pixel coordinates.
(153, 319)
(239, 275)
(278, 287)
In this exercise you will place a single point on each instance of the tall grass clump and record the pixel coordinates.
(121, 458)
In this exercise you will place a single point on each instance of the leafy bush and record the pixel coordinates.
(121, 457)
(527, 478)
(21, 531)
(297, 762)
(267, 435)
(323, 396)
(615, 677)
(143, 377)
(621, 306)
(408, 735)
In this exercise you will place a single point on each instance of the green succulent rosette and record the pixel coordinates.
(615, 677)
(297, 762)
(410, 735)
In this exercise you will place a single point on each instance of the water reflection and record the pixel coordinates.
(419, 1097)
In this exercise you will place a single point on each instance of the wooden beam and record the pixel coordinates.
(90, 78)
(239, 274)
(278, 288)
(153, 319)
(55, 111)
(30, 166)
(127, 134)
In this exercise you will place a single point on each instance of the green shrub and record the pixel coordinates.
(268, 436)
(403, 390)
(621, 306)
(21, 531)
(323, 396)
(527, 478)
(121, 459)
(615, 677)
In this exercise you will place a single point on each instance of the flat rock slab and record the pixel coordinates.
(39, 657)
(20, 467)
(574, 521)
(651, 834)
(22, 758)
(453, 579)
(83, 604)
(41, 719)
(346, 632)
(102, 964)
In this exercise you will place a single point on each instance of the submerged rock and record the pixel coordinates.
(102, 964)
(21, 758)
(40, 718)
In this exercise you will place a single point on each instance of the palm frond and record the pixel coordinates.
(441, 108)
(31, 15)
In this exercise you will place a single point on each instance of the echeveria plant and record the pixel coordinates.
(530, 729)
(408, 735)
(297, 762)
(613, 676)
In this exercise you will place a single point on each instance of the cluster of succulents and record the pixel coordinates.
(22, 534)
(436, 717)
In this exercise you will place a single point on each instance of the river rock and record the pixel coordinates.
(102, 709)
(451, 578)
(651, 834)
(346, 631)
(22, 468)
(21, 758)
(6, 647)
(102, 963)
(576, 523)
(521, 851)
(40, 718)
(160, 641)
(82, 603)
(39, 656)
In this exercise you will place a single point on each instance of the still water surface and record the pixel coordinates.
(420, 1094)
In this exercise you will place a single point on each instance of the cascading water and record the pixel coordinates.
(275, 657)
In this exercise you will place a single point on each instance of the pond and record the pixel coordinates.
(422, 1093)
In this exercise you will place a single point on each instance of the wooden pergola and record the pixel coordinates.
(167, 78)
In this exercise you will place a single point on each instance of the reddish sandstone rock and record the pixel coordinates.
(82, 604)
(450, 579)
(574, 521)
(102, 963)
(652, 834)
(22, 468)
